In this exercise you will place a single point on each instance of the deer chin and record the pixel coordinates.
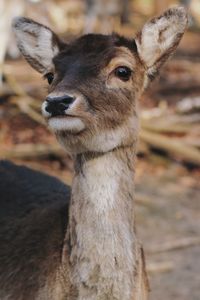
(66, 123)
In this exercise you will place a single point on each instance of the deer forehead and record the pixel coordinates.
(90, 54)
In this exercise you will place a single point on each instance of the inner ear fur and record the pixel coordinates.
(159, 38)
(37, 43)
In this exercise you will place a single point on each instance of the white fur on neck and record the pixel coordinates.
(106, 140)
(105, 258)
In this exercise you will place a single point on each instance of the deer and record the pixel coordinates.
(80, 243)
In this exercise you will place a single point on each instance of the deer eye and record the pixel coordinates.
(49, 77)
(124, 73)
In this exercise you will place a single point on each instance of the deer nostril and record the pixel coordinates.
(58, 105)
(68, 100)
(48, 108)
(62, 106)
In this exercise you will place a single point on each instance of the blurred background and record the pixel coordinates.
(168, 165)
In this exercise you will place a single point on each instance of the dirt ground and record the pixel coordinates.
(170, 218)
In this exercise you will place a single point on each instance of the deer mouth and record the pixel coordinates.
(68, 123)
(62, 116)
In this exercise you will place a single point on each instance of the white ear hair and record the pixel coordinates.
(37, 43)
(160, 36)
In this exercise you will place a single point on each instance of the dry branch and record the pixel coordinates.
(161, 267)
(25, 107)
(174, 147)
(166, 128)
(29, 151)
(188, 105)
(144, 200)
(25, 103)
(175, 245)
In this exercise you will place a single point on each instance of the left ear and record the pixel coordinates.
(160, 37)
(37, 43)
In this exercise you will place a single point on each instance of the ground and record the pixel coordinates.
(170, 219)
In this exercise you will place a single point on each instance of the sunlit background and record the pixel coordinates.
(167, 180)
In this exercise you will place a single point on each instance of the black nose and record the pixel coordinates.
(57, 106)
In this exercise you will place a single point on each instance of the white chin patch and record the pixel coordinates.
(72, 124)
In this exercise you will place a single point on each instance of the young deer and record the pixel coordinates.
(86, 249)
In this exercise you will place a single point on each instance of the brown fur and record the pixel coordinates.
(95, 255)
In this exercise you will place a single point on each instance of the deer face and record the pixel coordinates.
(92, 99)
(95, 81)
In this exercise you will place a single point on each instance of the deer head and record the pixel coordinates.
(96, 80)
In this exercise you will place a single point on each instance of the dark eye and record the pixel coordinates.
(124, 73)
(49, 77)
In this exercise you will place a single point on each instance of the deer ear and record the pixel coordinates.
(159, 38)
(37, 43)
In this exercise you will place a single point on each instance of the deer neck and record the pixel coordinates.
(101, 226)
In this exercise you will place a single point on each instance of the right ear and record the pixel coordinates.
(37, 43)
(159, 38)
